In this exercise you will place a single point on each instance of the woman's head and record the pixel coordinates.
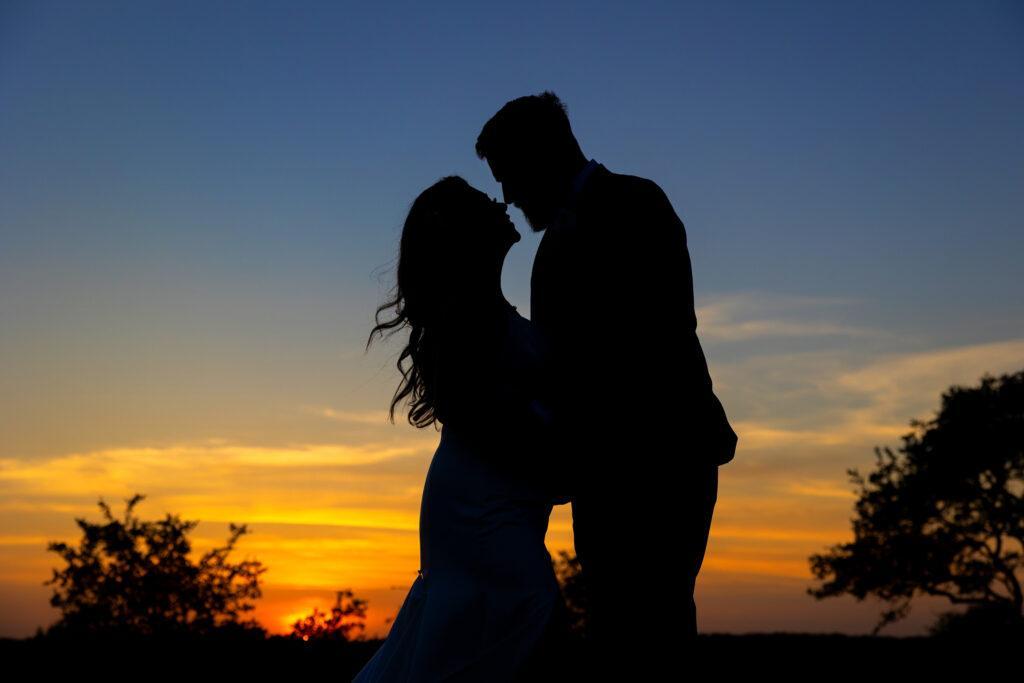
(454, 241)
(453, 244)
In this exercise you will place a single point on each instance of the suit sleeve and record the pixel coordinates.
(710, 437)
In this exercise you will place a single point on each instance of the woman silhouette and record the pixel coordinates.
(485, 605)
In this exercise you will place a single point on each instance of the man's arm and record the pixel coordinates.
(703, 415)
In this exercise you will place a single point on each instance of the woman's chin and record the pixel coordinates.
(512, 235)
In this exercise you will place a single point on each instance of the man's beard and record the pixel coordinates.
(537, 221)
(535, 225)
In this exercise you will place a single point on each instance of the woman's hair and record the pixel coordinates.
(432, 259)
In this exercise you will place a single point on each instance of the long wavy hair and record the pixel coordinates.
(435, 248)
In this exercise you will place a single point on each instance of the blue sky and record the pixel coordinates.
(200, 202)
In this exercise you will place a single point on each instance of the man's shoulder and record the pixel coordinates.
(633, 181)
(615, 198)
(610, 186)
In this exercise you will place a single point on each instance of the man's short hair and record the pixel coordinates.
(527, 123)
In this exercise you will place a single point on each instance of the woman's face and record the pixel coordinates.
(483, 236)
(491, 224)
(477, 237)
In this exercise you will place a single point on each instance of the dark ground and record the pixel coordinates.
(792, 656)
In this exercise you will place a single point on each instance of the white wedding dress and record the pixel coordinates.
(486, 591)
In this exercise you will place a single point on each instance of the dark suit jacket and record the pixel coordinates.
(612, 291)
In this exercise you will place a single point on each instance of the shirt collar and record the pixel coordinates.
(581, 178)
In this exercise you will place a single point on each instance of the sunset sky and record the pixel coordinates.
(200, 206)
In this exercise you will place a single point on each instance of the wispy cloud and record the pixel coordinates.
(835, 397)
(907, 378)
(363, 417)
(754, 315)
(362, 485)
(821, 489)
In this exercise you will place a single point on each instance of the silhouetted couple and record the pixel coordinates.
(602, 399)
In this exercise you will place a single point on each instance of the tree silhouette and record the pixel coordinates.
(946, 517)
(134, 578)
(347, 615)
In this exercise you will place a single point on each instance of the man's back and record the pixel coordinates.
(613, 291)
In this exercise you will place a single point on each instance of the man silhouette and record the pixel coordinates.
(641, 433)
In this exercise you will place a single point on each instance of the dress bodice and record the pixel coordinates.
(482, 477)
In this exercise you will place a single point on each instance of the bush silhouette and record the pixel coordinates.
(981, 622)
(347, 615)
(131, 578)
(574, 592)
(946, 517)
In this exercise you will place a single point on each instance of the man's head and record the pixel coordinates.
(532, 152)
